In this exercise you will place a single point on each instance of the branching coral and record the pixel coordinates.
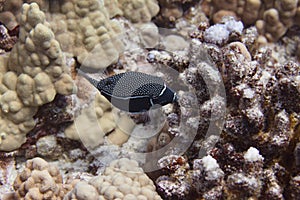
(260, 117)
(183, 182)
(32, 75)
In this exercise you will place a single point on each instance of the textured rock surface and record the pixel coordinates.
(272, 18)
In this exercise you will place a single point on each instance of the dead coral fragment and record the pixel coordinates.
(271, 18)
(182, 182)
(7, 41)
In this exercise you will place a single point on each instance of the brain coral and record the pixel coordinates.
(123, 179)
(31, 76)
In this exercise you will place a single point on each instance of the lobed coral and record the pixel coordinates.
(143, 10)
(31, 76)
(82, 29)
(85, 29)
(99, 119)
(40, 180)
(122, 179)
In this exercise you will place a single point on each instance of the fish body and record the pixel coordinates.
(135, 92)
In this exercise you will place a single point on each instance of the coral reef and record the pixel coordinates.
(31, 76)
(99, 120)
(260, 87)
(39, 180)
(143, 10)
(233, 134)
(82, 29)
(172, 10)
(122, 179)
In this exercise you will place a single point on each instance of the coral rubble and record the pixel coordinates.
(272, 18)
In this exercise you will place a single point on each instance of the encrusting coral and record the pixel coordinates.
(86, 30)
(40, 180)
(122, 179)
(137, 11)
(31, 76)
(98, 118)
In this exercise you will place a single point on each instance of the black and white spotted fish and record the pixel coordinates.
(134, 92)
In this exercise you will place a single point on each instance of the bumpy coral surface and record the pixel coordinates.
(123, 179)
(233, 134)
(136, 11)
(40, 180)
(31, 76)
(99, 119)
(85, 28)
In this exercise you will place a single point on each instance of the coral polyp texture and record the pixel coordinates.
(122, 179)
(31, 75)
(143, 10)
(85, 30)
(40, 180)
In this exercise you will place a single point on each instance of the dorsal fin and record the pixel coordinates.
(94, 82)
